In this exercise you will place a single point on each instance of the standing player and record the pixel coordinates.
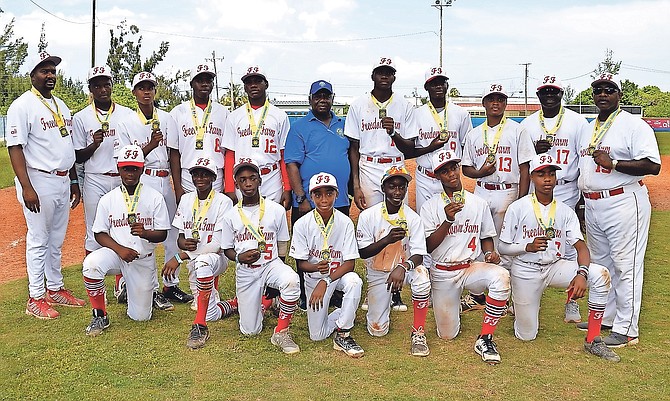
(535, 232)
(258, 131)
(616, 150)
(255, 236)
(129, 221)
(459, 228)
(199, 219)
(42, 156)
(391, 239)
(324, 247)
(94, 134)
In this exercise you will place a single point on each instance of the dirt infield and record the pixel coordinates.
(13, 225)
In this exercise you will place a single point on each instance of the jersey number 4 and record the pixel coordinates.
(472, 245)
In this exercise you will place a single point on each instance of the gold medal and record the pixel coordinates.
(402, 224)
(255, 142)
(550, 233)
(550, 139)
(63, 131)
(195, 234)
(105, 126)
(199, 144)
(458, 197)
(590, 150)
(132, 218)
(325, 255)
(444, 135)
(382, 113)
(491, 158)
(155, 125)
(262, 246)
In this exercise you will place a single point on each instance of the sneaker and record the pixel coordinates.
(419, 345)
(97, 325)
(162, 303)
(197, 337)
(616, 340)
(343, 341)
(302, 304)
(176, 294)
(284, 341)
(486, 348)
(469, 303)
(64, 297)
(600, 349)
(364, 305)
(397, 304)
(572, 312)
(41, 309)
(121, 293)
(584, 326)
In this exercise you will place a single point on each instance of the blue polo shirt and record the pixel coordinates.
(320, 148)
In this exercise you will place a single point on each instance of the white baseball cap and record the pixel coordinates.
(494, 88)
(202, 68)
(245, 162)
(320, 180)
(254, 70)
(44, 57)
(396, 171)
(443, 157)
(144, 76)
(384, 62)
(130, 155)
(204, 163)
(549, 81)
(538, 162)
(434, 72)
(606, 77)
(99, 71)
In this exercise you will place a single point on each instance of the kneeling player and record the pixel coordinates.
(129, 221)
(199, 219)
(255, 235)
(536, 231)
(459, 227)
(324, 247)
(391, 239)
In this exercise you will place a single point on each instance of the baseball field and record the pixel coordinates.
(56, 360)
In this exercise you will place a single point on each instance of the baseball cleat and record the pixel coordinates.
(364, 304)
(197, 337)
(97, 326)
(584, 326)
(175, 293)
(121, 293)
(302, 304)
(419, 345)
(397, 304)
(572, 314)
(600, 349)
(162, 303)
(469, 303)
(283, 340)
(487, 349)
(616, 340)
(64, 297)
(40, 309)
(343, 341)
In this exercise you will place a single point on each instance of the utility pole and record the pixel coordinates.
(440, 4)
(216, 77)
(232, 91)
(93, 36)
(525, 90)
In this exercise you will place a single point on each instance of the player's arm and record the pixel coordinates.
(175, 169)
(125, 253)
(82, 155)
(354, 157)
(293, 170)
(229, 180)
(396, 279)
(246, 257)
(524, 179)
(490, 254)
(154, 236)
(285, 199)
(637, 168)
(434, 145)
(75, 191)
(18, 160)
(486, 170)
(578, 285)
(436, 237)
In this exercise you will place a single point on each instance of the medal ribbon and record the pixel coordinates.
(256, 128)
(107, 116)
(443, 122)
(379, 104)
(326, 229)
(493, 148)
(401, 216)
(598, 132)
(154, 116)
(538, 212)
(255, 231)
(55, 113)
(446, 199)
(561, 113)
(131, 204)
(200, 128)
(200, 212)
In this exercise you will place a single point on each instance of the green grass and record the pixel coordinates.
(6, 172)
(131, 360)
(663, 139)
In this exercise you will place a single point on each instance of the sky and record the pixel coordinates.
(298, 42)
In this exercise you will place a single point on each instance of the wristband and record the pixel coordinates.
(487, 253)
(72, 182)
(403, 266)
(411, 265)
(583, 271)
(328, 280)
(614, 163)
(450, 221)
(392, 134)
(237, 258)
(178, 258)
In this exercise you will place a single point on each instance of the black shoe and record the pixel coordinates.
(162, 303)
(302, 304)
(486, 348)
(176, 294)
(197, 337)
(396, 303)
(336, 299)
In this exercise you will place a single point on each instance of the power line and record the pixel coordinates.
(55, 16)
(645, 69)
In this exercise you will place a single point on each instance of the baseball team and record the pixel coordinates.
(214, 187)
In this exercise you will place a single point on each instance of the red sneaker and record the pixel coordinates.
(41, 309)
(64, 297)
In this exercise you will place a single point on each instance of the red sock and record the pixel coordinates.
(96, 293)
(569, 296)
(266, 303)
(492, 314)
(420, 312)
(595, 321)
(204, 292)
(118, 278)
(233, 302)
(286, 310)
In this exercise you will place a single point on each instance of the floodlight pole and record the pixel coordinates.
(440, 4)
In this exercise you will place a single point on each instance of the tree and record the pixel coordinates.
(70, 91)
(234, 91)
(453, 92)
(607, 65)
(569, 94)
(167, 90)
(42, 46)
(13, 53)
(584, 97)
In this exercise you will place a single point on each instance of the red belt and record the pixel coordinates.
(60, 173)
(493, 187)
(451, 268)
(426, 171)
(383, 159)
(608, 193)
(268, 170)
(111, 174)
(157, 173)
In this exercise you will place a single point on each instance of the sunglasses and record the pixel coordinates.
(322, 95)
(607, 90)
(549, 91)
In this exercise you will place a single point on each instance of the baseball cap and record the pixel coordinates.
(254, 70)
(99, 71)
(320, 180)
(204, 163)
(433, 73)
(494, 88)
(245, 162)
(549, 81)
(44, 57)
(130, 155)
(538, 162)
(443, 157)
(318, 85)
(202, 68)
(608, 78)
(396, 171)
(383, 62)
(144, 76)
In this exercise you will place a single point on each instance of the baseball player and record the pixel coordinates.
(459, 227)
(130, 220)
(199, 219)
(391, 239)
(535, 232)
(258, 131)
(94, 132)
(616, 150)
(200, 123)
(255, 236)
(324, 247)
(42, 156)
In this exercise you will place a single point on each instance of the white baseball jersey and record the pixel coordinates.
(363, 124)
(307, 241)
(372, 227)
(86, 123)
(459, 124)
(274, 226)
(521, 227)
(514, 148)
(31, 125)
(463, 240)
(211, 223)
(184, 141)
(566, 140)
(628, 138)
(112, 218)
(237, 135)
(135, 132)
